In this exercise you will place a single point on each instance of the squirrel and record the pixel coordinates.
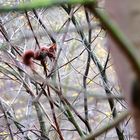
(30, 55)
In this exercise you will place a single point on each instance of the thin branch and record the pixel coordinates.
(87, 67)
(30, 25)
(43, 25)
(107, 127)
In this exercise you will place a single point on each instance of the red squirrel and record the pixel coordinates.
(40, 55)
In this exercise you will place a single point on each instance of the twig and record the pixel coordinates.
(107, 127)
(87, 68)
(6, 120)
(30, 25)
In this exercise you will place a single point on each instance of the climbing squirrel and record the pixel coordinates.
(40, 55)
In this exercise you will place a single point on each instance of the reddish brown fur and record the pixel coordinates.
(27, 57)
(38, 55)
(52, 48)
(52, 51)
